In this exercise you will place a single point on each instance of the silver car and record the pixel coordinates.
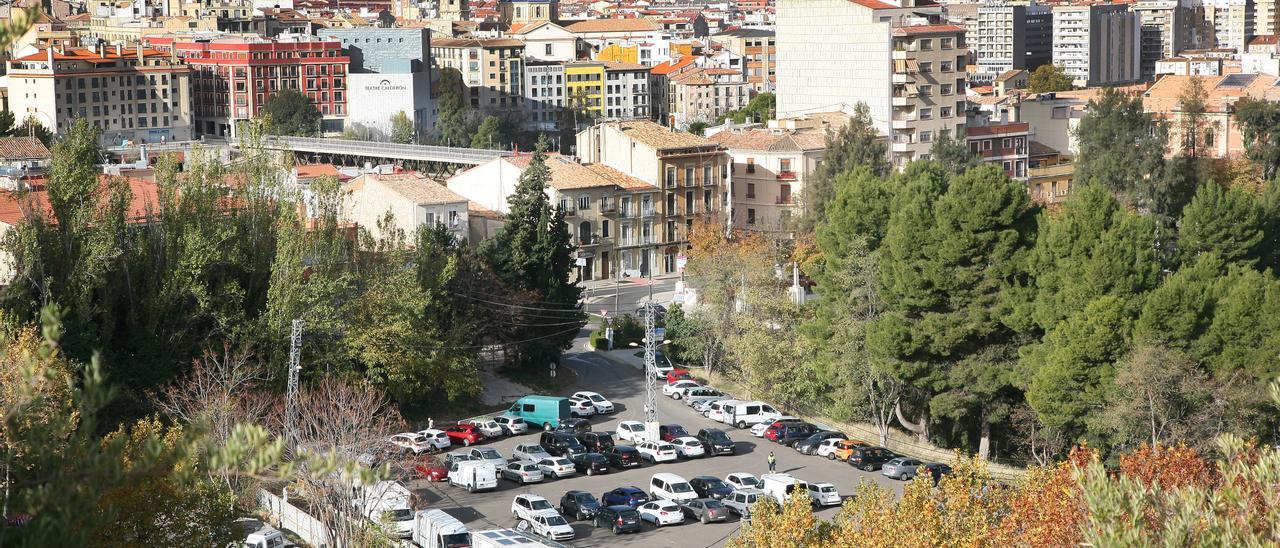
(530, 451)
(741, 500)
(511, 425)
(523, 472)
(489, 455)
(902, 468)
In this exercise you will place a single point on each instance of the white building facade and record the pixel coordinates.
(1098, 44)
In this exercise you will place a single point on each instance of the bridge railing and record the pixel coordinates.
(385, 150)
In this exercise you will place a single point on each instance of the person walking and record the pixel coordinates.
(773, 462)
(431, 423)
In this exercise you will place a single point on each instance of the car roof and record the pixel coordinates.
(705, 478)
(531, 496)
(668, 476)
(576, 492)
(630, 489)
(620, 508)
(749, 491)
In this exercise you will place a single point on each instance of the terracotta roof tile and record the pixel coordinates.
(659, 137)
(22, 148)
(15, 207)
(567, 174)
(874, 4)
(926, 29)
(612, 25)
(413, 186)
(769, 140)
(1262, 40)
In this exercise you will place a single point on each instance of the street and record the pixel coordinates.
(624, 386)
(623, 297)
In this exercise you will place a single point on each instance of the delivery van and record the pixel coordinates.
(474, 475)
(437, 529)
(544, 411)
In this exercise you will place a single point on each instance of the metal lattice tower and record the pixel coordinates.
(295, 365)
(650, 363)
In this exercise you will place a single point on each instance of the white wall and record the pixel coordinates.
(374, 98)
(487, 184)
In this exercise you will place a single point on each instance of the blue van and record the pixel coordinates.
(546, 411)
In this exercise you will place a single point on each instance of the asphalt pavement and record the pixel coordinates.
(624, 296)
(624, 385)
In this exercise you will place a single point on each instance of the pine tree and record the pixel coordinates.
(1227, 222)
(856, 144)
(1121, 147)
(953, 154)
(489, 134)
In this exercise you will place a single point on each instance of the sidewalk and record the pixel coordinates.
(624, 282)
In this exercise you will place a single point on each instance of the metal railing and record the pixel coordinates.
(375, 149)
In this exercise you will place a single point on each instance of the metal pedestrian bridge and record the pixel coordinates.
(380, 150)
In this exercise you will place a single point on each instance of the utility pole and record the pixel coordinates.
(295, 365)
(795, 283)
(650, 371)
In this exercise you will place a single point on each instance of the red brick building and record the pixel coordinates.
(1005, 145)
(233, 77)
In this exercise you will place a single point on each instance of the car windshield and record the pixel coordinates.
(681, 487)
(715, 484)
(490, 454)
(712, 504)
(597, 398)
(456, 539)
(629, 515)
(556, 520)
(584, 498)
(400, 514)
(540, 504)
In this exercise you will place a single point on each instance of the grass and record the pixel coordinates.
(444, 410)
(541, 381)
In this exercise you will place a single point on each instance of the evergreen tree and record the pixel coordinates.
(1121, 147)
(1049, 78)
(953, 154)
(289, 112)
(1260, 124)
(6, 123)
(1227, 222)
(856, 144)
(402, 128)
(31, 127)
(1178, 313)
(453, 123)
(532, 254)
(489, 134)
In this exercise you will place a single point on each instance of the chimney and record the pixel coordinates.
(139, 53)
(119, 50)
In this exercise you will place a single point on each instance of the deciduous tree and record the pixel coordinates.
(289, 112)
(402, 130)
(1049, 78)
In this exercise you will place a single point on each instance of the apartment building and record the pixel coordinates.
(1264, 17)
(1231, 21)
(1167, 28)
(1097, 44)
(704, 95)
(908, 69)
(1003, 144)
(770, 168)
(608, 90)
(546, 41)
(492, 70)
(411, 197)
(614, 217)
(759, 49)
(138, 95)
(234, 76)
(544, 98)
(1007, 37)
(595, 34)
(390, 72)
(691, 171)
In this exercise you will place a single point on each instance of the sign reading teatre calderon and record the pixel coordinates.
(386, 85)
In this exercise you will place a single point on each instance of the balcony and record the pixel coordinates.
(636, 241)
(782, 200)
(608, 209)
(903, 123)
(647, 212)
(590, 241)
(786, 175)
(571, 212)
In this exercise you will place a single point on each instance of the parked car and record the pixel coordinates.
(740, 501)
(716, 442)
(411, 442)
(437, 439)
(550, 524)
(668, 432)
(706, 510)
(676, 390)
(656, 451)
(561, 444)
(544, 411)
(489, 455)
(489, 427)
(824, 494)
(810, 444)
(557, 467)
(759, 429)
(694, 396)
(844, 448)
(623, 456)
(631, 431)
(702, 406)
(710, 487)
(596, 442)
(826, 448)
(452, 459)
(662, 364)
(901, 468)
(621, 519)
(776, 430)
(936, 470)
(522, 471)
(525, 505)
(529, 451)
(627, 496)
(795, 433)
(574, 426)
(431, 468)
(689, 447)
(579, 505)
(870, 458)
(661, 512)
(742, 480)
(678, 375)
(717, 410)
(581, 408)
(666, 485)
(511, 425)
(602, 404)
(590, 463)
(473, 475)
(464, 434)
(747, 413)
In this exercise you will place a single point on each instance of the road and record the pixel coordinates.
(624, 296)
(624, 385)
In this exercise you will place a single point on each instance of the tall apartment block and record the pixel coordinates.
(1167, 28)
(1232, 22)
(1264, 17)
(908, 69)
(1012, 37)
(1097, 44)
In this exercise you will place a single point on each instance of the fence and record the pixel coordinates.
(288, 517)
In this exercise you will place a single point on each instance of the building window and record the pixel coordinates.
(946, 112)
(926, 114)
(1004, 143)
(784, 165)
(945, 66)
(751, 216)
(926, 137)
(926, 44)
(548, 49)
(751, 190)
(584, 202)
(946, 89)
(688, 175)
(926, 90)
(751, 165)
(926, 67)
(604, 228)
(946, 43)
(671, 176)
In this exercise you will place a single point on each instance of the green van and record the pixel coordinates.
(547, 411)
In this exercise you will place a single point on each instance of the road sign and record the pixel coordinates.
(582, 261)
(681, 260)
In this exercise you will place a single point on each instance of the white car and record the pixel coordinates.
(657, 451)
(669, 390)
(512, 425)
(530, 451)
(489, 455)
(824, 494)
(632, 431)
(702, 406)
(527, 505)
(411, 441)
(602, 404)
(557, 467)
(717, 410)
(437, 438)
(692, 396)
(827, 447)
(581, 408)
(522, 472)
(740, 501)
(488, 427)
(758, 429)
(661, 512)
(689, 447)
(551, 525)
(742, 480)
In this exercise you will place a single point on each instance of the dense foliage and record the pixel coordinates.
(289, 112)
(1049, 78)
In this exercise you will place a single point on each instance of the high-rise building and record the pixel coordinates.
(1264, 17)
(1167, 28)
(492, 70)
(758, 48)
(1232, 22)
(908, 69)
(1097, 44)
(1009, 37)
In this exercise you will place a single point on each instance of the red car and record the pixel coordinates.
(431, 469)
(466, 434)
(678, 375)
(774, 429)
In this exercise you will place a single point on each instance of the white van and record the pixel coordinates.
(474, 475)
(781, 486)
(437, 529)
(744, 414)
(719, 410)
(668, 486)
(388, 503)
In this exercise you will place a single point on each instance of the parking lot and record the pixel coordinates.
(624, 385)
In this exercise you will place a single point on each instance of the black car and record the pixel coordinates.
(623, 456)
(590, 463)
(574, 426)
(626, 496)
(936, 470)
(810, 444)
(795, 433)
(579, 505)
(716, 442)
(561, 444)
(870, 458)
(668, 432)
(596, 442)
(621, 519)
(710, 487)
